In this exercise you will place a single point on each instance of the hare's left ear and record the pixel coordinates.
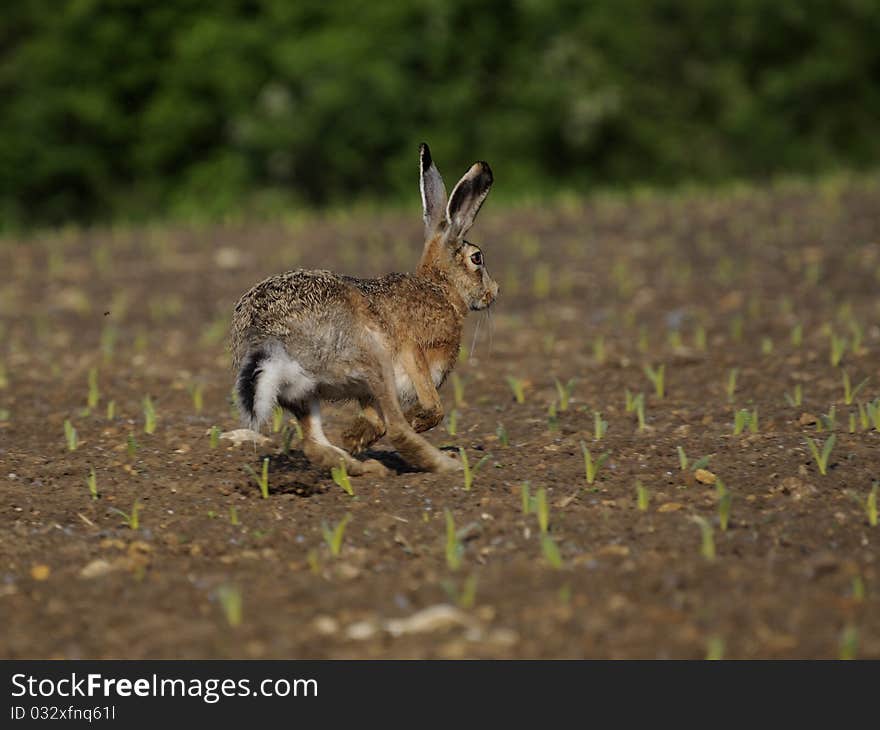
(433, 191)
(467, 197)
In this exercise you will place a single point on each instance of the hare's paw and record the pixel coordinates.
(422, 420)
(444, 463)
(375, 468)
(360, 435)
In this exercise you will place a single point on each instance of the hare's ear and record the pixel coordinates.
(467, 197)
(433, 190)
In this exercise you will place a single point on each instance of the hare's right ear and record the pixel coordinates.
(433, 191)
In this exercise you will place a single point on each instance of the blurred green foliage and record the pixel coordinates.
(130, 108)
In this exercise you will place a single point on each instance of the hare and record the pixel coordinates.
(303, 337)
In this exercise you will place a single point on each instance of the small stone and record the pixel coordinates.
(40, 572)
(670, 507)
(96, 569)
(807, 419)
(704, 476)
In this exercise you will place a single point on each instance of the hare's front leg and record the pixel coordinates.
(427, 412)
(366, 429)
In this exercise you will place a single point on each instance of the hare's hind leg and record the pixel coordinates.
(321, 452)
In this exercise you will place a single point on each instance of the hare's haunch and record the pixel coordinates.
(303, 337)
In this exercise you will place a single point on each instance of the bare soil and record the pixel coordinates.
(591, 290)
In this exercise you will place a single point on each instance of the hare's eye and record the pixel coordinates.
(477, 258)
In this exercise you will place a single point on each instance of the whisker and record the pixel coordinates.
(474, 341)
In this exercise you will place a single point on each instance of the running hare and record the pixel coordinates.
(306, 336)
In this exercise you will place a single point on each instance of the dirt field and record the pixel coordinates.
(761, 281)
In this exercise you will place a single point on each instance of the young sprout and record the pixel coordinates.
(4, 379)
(214, 437)
(599, 350)
(740, 421)
(525, 493)
(849, 643)
(849, 393)
(600, 427)
(466, 597)
(463, 353)
(797, 398)
(838, 349)
(564, 393)
(454, 548)
(70, 435)
(682, 458)
(551, 552)
(131, 446)
(640, 410)
(197, 394)
(261, 480)
(700, 338)
(657, 377)
(233, 517)
(501, 433)
(731, 384)
(541, 281)
(630, 401)
(873, 411)
(870, 504)
(111, 410)
(452, 422)
(334, 537)
(858, 334)
(724, 500)
(149, 416)
(643, 497)
(766, 346)
(707, 548)
(231, 603)
(858, 589)
(92, 483)
(517, 387)
(715, 649)
(753, 420)
(457, 390)
(469, 472)
(736, 328)
(797, 335)
(821, 458)
(552, 418)
(592, 467)
(542, 510)
(277, 419)
(643, 343)
(133, 519)
(827, 421)
(94, 395)
(340, 476)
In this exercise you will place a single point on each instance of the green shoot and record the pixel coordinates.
(707, 548)
(542, 510)
(231, 603)
(740, 420)
(852, 422)
(873, 411)
(552, 418)
(149, 416)
(92, 483)
(753, 420)
(849, 643)
(838, 349)
(731, 384)
(551, 552)
(197, 394)
(70, 435)
(736, 328)
(643, 344)
(469, 472)
(131, 446)
(682, 458)
(643, 497)
(525, 493)
(261, 480)
(94, 395)
(797, 335)
(858, 588)
(657, 378)
(849, 393)
(340, 476)
(214, 437)
(517, 387)
(700, 338)
(766, 346)
(233, 517)
(457, 390)
(640, 410)
(715, 649)
(599, 426)
(599, 349)
(827, 421)
(564, 393)
(821, 458)
(501, 433)
(452, 422)
(797, 398)
(277, 419)
(334, 537)
(724, 500)
(111, 410)
(133, 519)
(454, 548)
(466, 597)
(592, 467)
(630, 401)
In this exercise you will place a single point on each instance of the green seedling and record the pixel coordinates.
(707, 547)
(724, 500)
(674, 339)
(700, 338)
(340, 476)
(92, 483)
(630, 401)
(517, 387)
(196, 392)
(541, 281)
(564, 393)
(4, 379)
(873, 412)
(658, 379)
(838, 349)
(452, 422)
(131, 446)
(467, 596)
(740, 420)
(149, 416)
(454, 548)
(525, 494)
(600, 427)
(277, 419)
(827, 421)
(852, 423)
(643, 343)
(231, 603)
(821, 458)
(736, 328)
(334, 537)
(501, 433)
(682, 458)
(111, 410)
(457, 390)
(858, 589)
(70, 435)
(797, 397)
(549, 343)
(552, 417)
(94, 395)
(643, 497)
(715, 649)
(849, 393)
(132, 519)
(463, 353)
(233, 517)
(599, 350)
(753, 421)
(214, 437)
(551, 552)
(542, 510)
(640, 410)
(731, 384)
(262, 479)
(869, 505)
(849, 643)
(592, 467)
(797, 335)
(108, 342)
(857, 335)
(470, 473)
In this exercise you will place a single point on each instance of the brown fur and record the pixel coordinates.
(306, 336)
